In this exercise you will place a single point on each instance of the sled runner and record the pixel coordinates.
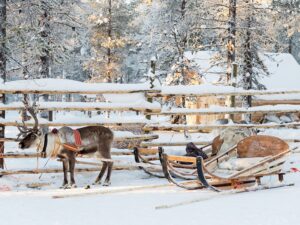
(153, 156)
(245, 164)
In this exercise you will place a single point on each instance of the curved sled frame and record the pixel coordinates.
(171, 172)
(139, 158)
(174, 166)
(167, 172)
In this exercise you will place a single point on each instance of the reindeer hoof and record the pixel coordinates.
(73, 186)
(65, 186)
(97, 183)
(106, 183)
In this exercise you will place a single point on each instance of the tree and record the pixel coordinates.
(3, 23)
(168, 29)
(108, 37)
(39, 36)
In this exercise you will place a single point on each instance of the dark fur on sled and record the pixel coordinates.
(193, 151)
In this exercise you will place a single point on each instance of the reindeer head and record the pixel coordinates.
(29, 136)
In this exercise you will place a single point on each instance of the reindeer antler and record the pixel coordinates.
(32, 109)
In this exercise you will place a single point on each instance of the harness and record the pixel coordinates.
(43, 153)
(57, 143)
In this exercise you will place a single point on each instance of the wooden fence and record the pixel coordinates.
(147, 108)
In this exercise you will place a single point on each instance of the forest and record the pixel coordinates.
(117, 40)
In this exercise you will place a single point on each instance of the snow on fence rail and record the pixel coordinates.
(199, 127)
(141, 106)
(206, 90)
(231, 110)
(65, 86)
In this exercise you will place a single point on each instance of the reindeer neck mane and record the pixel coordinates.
(49, 144)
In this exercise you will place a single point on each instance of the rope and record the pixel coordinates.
(53, 153)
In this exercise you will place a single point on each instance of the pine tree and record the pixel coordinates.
(38, 36)
(109, 30)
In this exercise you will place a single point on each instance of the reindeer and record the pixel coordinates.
(95, 139)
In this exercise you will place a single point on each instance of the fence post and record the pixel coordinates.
(2, 132)
(50, 116)
(233, 83)
(152, 79)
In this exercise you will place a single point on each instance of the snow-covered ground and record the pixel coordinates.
(29, 207)
(22, 204)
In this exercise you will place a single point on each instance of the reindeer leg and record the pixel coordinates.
(103, 169)
(72, 167)
(65, 168)
(107, 179)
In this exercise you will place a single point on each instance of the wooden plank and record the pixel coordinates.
(34, 155)
(60, 170)
(74, 124)
(260, 163)
(199, 127)
(228, 110)
(137, 137)
(82, 106)
(146, 151)
(260, 102)
(74, 91)
(181, 158)
(221, 93)
(117, 139)
(183, 143)
(103, 191)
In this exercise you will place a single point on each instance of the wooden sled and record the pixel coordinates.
(265, 155)
(184, 170)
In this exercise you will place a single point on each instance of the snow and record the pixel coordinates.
(138, 105)
(285, 73)
(106, 88)
(29, 206)
(50, 84)
(207, 68)
(239, 163)
(21, 204)
(33, 207)
(220, 109)
(81, 118)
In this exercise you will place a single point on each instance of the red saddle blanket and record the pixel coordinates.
(77, 144)
(77, 138)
